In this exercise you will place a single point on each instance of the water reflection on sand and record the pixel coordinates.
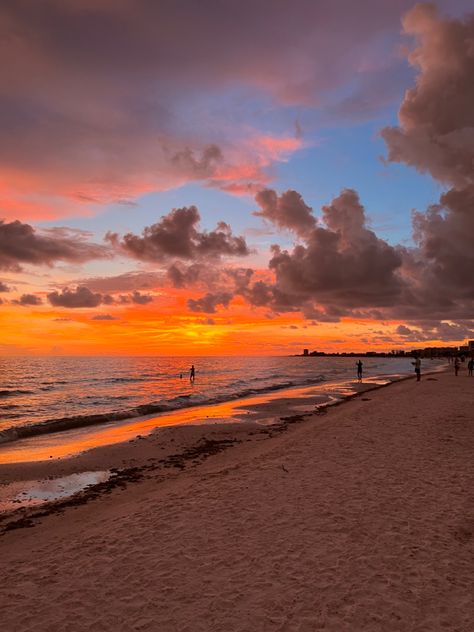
(32, 493)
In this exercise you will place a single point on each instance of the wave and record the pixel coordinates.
(13, 392)
(15, 433)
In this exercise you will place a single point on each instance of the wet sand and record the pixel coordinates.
(360, 517)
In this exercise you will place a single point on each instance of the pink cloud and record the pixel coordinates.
(108, 120)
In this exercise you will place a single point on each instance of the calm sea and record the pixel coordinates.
(39, 395)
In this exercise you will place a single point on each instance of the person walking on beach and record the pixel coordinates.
(456, 366)
(470, 366)
(417, 364)
(191, 373)
(359, 370)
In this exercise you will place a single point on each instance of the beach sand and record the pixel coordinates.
(357, 519)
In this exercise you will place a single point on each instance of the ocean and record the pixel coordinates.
(49, 394)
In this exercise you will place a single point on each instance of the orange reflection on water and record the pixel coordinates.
(72, 442)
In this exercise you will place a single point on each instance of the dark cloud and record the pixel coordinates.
(21, 243)
(176, 236)
(403, 330)
(104, 317)
(209, 302)
(75, 298)
(345, 264)
(182, 276)
(136, 297)
(4, 287)
(436, 135)
(286, 211)
(28, 299)
(446, 331)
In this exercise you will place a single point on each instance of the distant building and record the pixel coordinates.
(470, 346)
(305, 352)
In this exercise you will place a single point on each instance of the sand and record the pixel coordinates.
(358, 519)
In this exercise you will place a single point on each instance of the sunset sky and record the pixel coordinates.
(223, 177)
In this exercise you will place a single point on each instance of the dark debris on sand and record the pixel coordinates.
(26, 517)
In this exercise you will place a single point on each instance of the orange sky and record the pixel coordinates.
(160, 329)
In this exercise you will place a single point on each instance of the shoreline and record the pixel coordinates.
(128, 460)
(259, 409)
(51, 418)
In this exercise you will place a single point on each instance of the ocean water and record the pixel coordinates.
(42, 395)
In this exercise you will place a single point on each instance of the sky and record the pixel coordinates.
(222, 177)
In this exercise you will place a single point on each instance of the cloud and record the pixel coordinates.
(153, 100)
(436, 135)
(344, 264)
(28, 299)
(104, 317)
(75, 298)
(176, 236)
(436, 131)
(209, 302)
(128, 281)
(446, 331)
(285, 211)
(137, 298)
(403, 330)
(4, 287)
(21, 243)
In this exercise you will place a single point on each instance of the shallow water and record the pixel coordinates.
(33, 493)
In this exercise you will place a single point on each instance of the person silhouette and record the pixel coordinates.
(192, 373)
(359, 370)
(417, 364)
(470, 366)
(456, 366)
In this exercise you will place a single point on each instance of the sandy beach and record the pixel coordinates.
(359, 518)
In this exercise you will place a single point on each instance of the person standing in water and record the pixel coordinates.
(192, 373)
(359, 370)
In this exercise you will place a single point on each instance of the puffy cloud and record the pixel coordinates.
(75, 298)
(286, 211)
(4, 287)
(436, 132)
(176, 235)
(436, 135)
(21, 243)
(137, 298)
(209, 302)
(345, 263)
(28, 299)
